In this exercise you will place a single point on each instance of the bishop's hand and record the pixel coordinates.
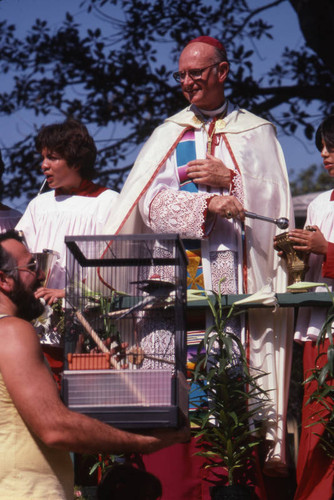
(210, 171)
(226, 206)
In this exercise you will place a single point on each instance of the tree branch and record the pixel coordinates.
(254, 13)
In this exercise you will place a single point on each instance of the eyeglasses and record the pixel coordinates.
(194, 74)
(32, 267)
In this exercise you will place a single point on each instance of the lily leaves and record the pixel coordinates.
(229, 395)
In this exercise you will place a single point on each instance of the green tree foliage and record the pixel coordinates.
(117, 78)
(311, 180)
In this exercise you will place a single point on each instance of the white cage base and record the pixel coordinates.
(127, 398)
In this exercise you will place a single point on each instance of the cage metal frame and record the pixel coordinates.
(136, 416)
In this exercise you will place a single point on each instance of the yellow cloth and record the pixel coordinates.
(28, 468)
(195, 279)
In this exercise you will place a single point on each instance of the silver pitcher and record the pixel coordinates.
(46, 260)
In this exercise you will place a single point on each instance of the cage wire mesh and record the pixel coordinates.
(125, 340)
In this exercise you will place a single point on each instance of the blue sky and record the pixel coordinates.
(298, 152)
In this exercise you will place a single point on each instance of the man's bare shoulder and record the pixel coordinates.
(9, 322)
(16, 334)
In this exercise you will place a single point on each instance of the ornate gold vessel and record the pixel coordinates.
(296, 261)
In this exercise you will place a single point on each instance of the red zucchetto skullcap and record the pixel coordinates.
(209, 40)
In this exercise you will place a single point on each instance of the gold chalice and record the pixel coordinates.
(296, 261)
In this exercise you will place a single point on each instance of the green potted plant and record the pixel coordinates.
(229, 401)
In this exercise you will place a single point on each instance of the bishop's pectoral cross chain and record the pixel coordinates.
(213, 139)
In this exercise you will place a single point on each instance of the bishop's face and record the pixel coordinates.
(206, 92)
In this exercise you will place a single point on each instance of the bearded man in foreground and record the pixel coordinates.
(36, 430)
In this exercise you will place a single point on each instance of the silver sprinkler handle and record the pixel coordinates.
(281, 222)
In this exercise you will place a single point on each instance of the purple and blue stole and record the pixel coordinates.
(185, 152)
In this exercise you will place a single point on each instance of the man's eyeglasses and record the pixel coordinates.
(32, 267)
(194, 74)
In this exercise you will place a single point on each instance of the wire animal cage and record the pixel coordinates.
(125, 335)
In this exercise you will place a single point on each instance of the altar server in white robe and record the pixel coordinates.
(74, 205)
